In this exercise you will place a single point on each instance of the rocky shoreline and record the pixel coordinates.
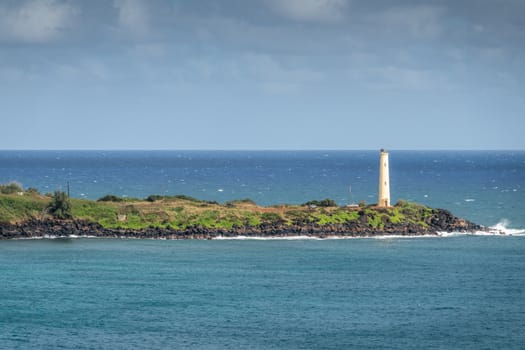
(441, 221)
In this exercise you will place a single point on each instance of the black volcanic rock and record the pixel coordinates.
(440, 221)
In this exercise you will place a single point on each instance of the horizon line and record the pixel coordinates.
(257, 149)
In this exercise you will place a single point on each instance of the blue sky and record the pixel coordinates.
(267, 74)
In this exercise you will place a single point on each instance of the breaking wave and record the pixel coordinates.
(500, 229)
(503, 227)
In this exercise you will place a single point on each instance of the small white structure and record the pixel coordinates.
(384, 181)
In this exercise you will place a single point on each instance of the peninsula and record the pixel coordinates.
(28, 214)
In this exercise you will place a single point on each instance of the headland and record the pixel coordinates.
(28, 214)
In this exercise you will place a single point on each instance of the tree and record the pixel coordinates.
(60, 206)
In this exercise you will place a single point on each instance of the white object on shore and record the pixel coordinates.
(384, 181)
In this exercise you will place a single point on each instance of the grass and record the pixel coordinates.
(414, 213)
(14, 207)
(181, 212)
(339, 216)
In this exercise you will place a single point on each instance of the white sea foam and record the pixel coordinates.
(313, 238)
(500, 229)
(81, 236)
(503, 227)
(401, 236)
(55, 237)
(270, 238)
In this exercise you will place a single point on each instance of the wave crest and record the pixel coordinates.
(503, 227)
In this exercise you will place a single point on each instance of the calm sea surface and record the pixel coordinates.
(420, 293)
(465, 292)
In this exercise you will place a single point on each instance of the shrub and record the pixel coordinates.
(32, 190)
(10, 188)
(60, 206)
(157, 197)
(154, 197)
(110, 198)
(402, 203)
(322, 203)
(272, 217)
(232, 204)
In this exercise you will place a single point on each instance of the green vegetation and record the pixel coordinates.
(322, 203)
(14, 208)
(181, 212)
(104, 213)
(156, 197)
(238, 202)
(60, 206)
(415, 213)
(110, 198)
(10, 188)
(339, 216)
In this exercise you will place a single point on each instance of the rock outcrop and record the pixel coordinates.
(440, 221)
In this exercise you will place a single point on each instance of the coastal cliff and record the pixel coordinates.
(182, 217)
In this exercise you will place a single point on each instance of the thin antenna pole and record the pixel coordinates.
(68, 189)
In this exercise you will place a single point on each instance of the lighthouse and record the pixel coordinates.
(384, 181)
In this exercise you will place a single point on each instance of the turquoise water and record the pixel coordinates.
(456, 292)
(464, 292)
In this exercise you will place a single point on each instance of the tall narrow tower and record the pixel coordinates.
(384, 181)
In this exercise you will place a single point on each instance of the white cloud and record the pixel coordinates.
(133, 16)
(400, 78)
(421, 21)
(149, 50)
(36, 21)
(14, 74)
(83, 70)
(266, 73)
(310, 10)
(274, 77)
(266, 67)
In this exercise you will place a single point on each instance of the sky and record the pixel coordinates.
(262, 74)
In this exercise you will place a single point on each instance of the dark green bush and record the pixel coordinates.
(110, 198)
(154, 198)
(322, 203)
(60, 206)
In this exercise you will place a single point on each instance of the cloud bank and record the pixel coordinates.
(343, 65)
(36, 21)
(310, 10)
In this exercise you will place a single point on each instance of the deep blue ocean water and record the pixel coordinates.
(464, 292)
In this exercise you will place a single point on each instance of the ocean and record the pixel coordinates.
(458, 291)
(419, 293)
(487, 187)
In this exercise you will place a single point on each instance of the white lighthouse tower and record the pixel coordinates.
(384, 181)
